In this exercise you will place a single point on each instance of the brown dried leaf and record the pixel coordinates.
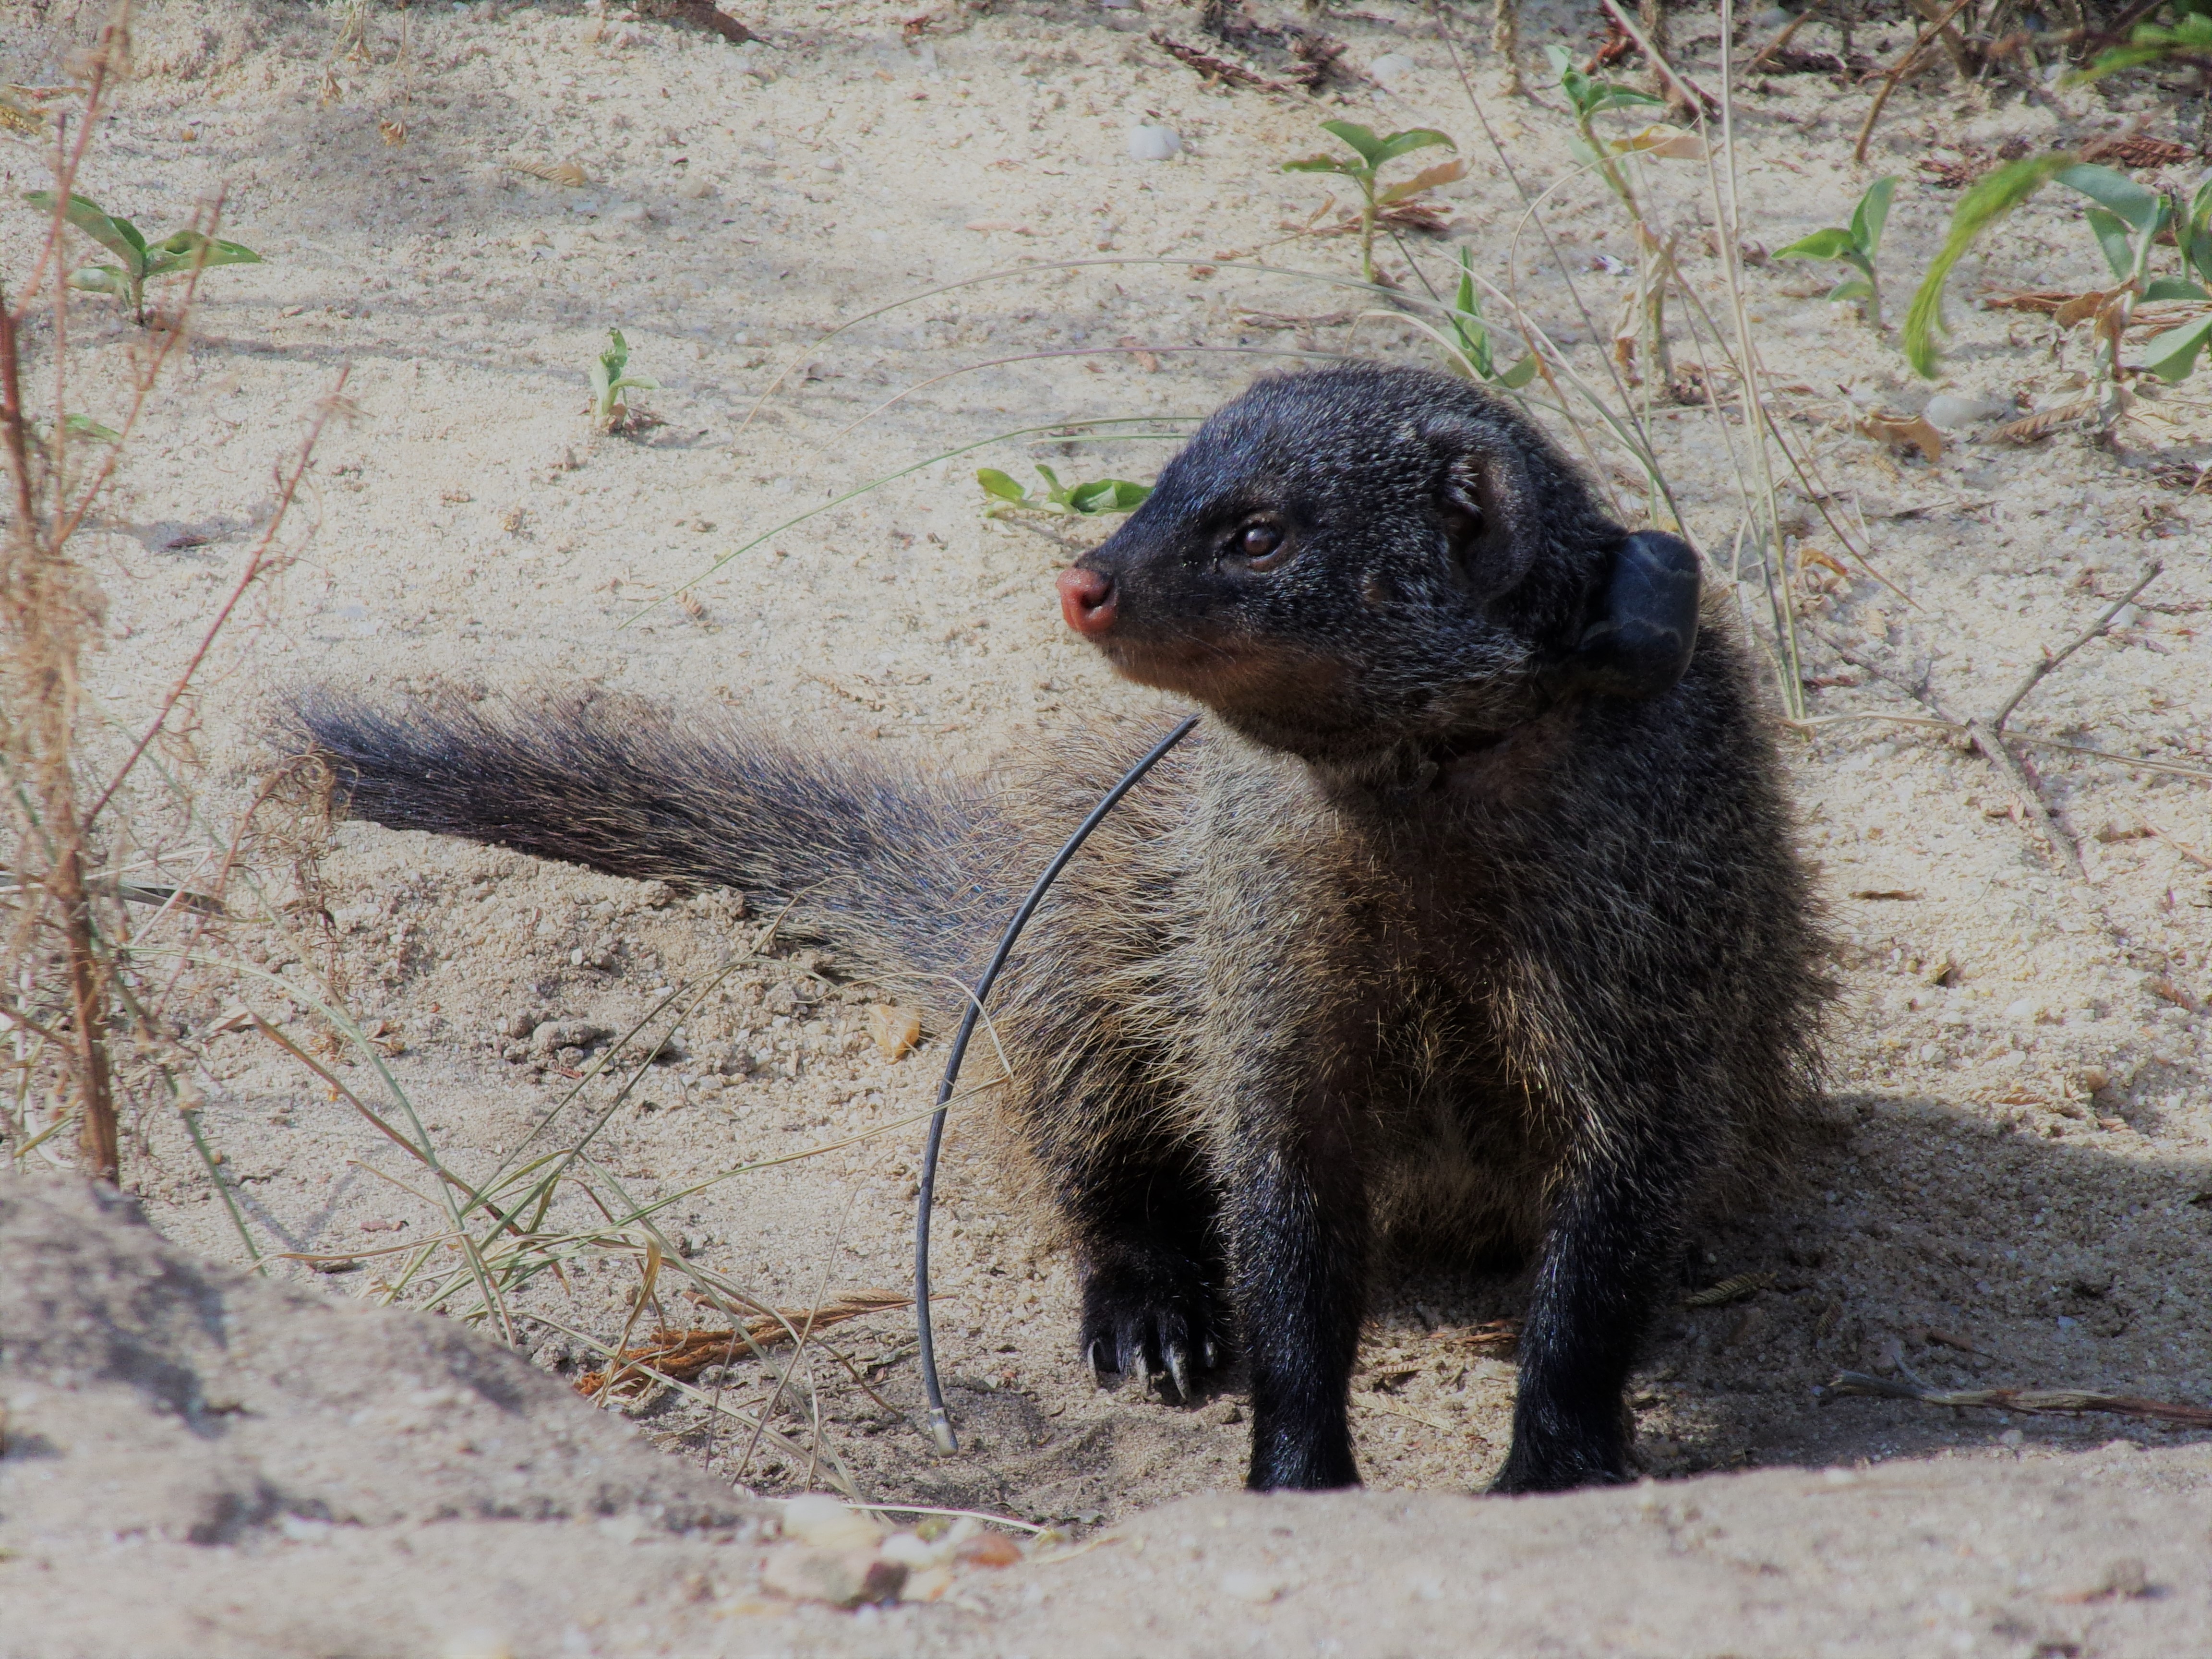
(1428, 179)
(1904, 432)
(2045, 299)
(894, 1030)
(2081, 307)
(30, 122)
(2137, 150)
(1672, 142)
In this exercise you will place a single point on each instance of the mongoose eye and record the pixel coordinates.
(1260, 546)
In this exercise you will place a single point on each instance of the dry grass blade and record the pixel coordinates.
(1493, 1339)
(2066, 1402)
(1735, 1288)
(553, 172)
(2033, 428)
(684, 1354)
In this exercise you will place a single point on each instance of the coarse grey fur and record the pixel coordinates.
(1420, 934)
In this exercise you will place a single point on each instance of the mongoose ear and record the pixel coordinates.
(1638, 642)
(1490, 517)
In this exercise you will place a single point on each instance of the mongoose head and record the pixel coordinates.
(1345, 562)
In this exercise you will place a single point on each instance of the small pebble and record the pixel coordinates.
(827, 1524)
(1257, 1588)
(1948, 411)
(1151, 143)
(1392, 67)
(844, 1578)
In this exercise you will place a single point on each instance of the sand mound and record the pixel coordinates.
(198, 1462)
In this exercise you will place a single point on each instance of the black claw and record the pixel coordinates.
(1149, 1313)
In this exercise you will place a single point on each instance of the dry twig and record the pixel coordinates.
(2067, 1402)
(684, 1354)
(1214, 68)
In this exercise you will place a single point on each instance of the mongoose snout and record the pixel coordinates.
(1086, 600)
(1467, 920)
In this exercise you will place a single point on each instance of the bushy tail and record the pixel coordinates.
(914, 874)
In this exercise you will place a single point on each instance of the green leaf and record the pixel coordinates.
(1871, 214)
(1822, 245)
(634, 383)
(119, 236)
(85, 427)
(1324, 164)
(1611, 97)
(1358, 138)
(1520, 374)
(1987, 200)
(1107, 495)
(188, 249)
(996, 483)
(2171, 354)
(2143, 209)
(2174, 288)
(1414, 138)
(1857, 288)
(101, 279)
(2150, 44)
(2111, 234)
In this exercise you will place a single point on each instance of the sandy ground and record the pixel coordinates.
(247, 1469)
(2012, 1181)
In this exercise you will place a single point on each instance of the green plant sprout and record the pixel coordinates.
(2190, 42)
(1471, 330)
(184, 250)
(1646, 307)
(1590, 98)
(2129, 222)
(611, 384)
(1093, 500)
(1856, 246)
(1375, 153)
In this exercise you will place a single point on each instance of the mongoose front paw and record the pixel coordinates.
(1560, 1466)
(1150, 1311)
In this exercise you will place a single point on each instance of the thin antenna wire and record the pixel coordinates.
(940, 1422)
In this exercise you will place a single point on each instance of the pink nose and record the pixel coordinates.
(1086, 599)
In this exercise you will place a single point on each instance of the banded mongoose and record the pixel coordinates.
(1468, 916)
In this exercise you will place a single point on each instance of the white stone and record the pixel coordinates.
(1151, 143)
(1392, 67)
(1948, 411)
